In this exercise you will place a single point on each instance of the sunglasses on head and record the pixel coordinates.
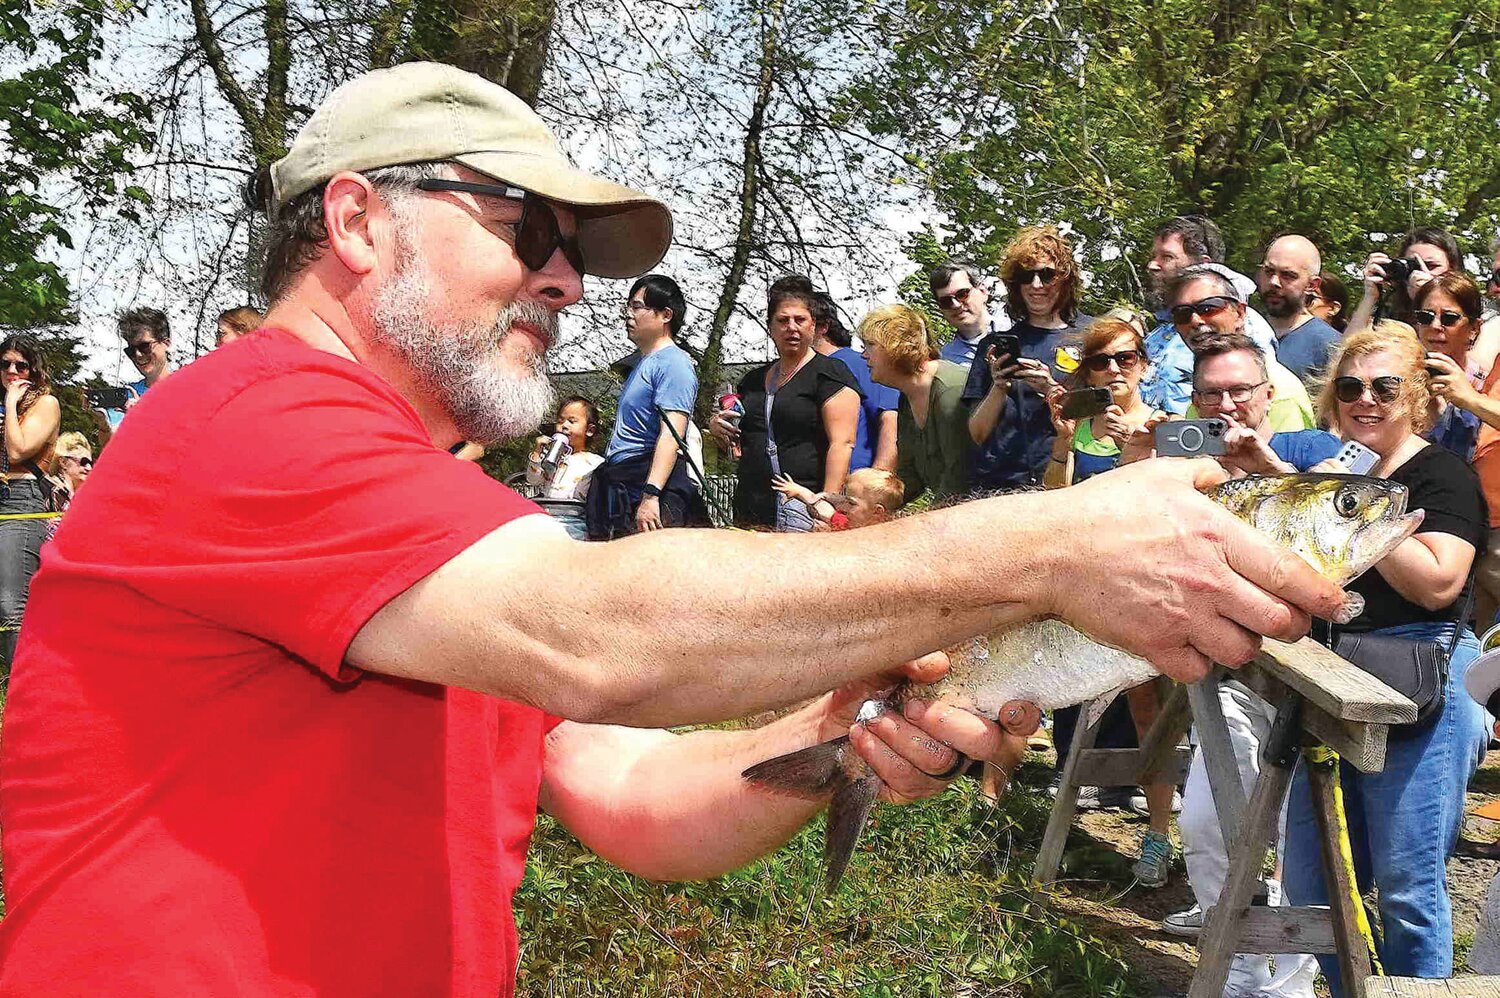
(141, 350)
(1213, 305)
(1383, 389)
(1427, 317)
(955, 299)
(19, 366)
(538, 235)
(1025, 275)
(1099, 362)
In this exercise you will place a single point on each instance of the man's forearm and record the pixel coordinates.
(675, 807)
(665, 456)
(986, 416)
(622, 649)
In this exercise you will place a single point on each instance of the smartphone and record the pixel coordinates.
(1358, 458)
(1190, 438)
(107, 398)
(1085, 403)
(1004, 345)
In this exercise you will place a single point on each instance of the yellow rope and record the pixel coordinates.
(29, 516)
(1326, 758)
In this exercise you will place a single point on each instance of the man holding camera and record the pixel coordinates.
(148, 342)
(330, 676)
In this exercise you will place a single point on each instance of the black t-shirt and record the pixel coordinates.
(801, 441)
(1446, 488)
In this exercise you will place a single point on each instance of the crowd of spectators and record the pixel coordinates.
(1029, 391)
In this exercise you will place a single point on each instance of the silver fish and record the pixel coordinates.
(1340, 524)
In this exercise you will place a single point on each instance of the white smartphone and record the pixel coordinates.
(1358, 458)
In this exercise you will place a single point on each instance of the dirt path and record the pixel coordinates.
(1104, 843)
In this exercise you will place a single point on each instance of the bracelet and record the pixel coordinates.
(650, 490)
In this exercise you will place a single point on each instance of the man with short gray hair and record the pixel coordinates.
(330, 674)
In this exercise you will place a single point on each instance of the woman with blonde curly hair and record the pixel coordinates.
(1010, 422)
(1404, 820)
(933, 449)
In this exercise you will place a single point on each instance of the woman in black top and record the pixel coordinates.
(814, 411)
(1404, 820)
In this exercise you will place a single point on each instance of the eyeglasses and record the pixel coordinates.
(1099, 362)
(538, 235)
(1238, 394)
(82, 462)
(1427, 317)
(955, 299)
(1025, 275)
(637, 306)
(19, 366)
(141, 350)
(1208, 307)
(1383, 389)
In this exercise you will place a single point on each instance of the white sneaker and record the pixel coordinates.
(1139, 805)
(1184, 923)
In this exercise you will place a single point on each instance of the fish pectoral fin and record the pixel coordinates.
(813, 773)
(1095, 708)
(846, 819)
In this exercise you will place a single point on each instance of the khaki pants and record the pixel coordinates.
(1487, 585)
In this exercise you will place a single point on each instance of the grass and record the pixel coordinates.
(934, 904)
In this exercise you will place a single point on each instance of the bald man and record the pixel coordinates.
(1287, 275)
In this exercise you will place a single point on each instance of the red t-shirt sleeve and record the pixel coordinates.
(316, 497)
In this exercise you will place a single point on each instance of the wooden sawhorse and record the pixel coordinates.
(1320, 699)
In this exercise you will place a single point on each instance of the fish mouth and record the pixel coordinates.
(1380, 539)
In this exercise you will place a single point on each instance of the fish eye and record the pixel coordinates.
(1346, 502)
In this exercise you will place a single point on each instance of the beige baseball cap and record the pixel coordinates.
(426, 111)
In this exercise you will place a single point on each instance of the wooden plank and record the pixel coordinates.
(1339, 687)
(1361, 744)
(1307, 929)
(1412, 987)
(1218, 756)
(1166, 732)
(1343, 897)
(1217, 943)
(1049, 856)
(1122, 767)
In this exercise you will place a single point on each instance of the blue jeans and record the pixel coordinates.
(1403, 825)
(20, 553)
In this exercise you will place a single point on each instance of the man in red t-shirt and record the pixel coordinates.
(291, 681)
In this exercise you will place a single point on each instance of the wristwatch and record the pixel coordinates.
(650, 490)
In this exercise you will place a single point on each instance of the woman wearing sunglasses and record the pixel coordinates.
(1446, 313)
(32, 420)
(1113, 357)
(1404, 820)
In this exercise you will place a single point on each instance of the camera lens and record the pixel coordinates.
(1191, 438)
(1215, 428)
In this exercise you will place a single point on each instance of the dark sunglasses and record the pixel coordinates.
(1099, 362)
(1383, 389)
(1495, 276)
(1427, 317)
(83, 462)
(538, 235)
(19, 366)
(1025, 275)
(141, 350)
(953, 300)
(1213, 305)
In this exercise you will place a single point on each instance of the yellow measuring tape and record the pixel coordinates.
(1327, 759)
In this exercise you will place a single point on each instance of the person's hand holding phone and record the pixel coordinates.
(1140, 443)
(724, 426)
(1035, 373)
(1116, 426)
(1064, 426)
(1002, 369)
(1248, 452)
(1449, 381)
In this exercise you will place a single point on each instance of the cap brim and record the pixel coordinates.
(1482, 678)
(622, 232)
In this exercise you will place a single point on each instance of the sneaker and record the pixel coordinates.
(1102, 798)
(1139, 806)
(1184, 923)
(1155, 864)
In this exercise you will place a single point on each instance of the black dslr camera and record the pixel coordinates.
(1401, 269)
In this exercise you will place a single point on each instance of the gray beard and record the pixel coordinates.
(457, 366)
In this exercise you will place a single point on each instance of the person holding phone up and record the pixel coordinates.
(1090, 428)
(33, 418)
(1446, 314)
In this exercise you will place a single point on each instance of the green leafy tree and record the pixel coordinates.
(59, 149)
(1350, 122)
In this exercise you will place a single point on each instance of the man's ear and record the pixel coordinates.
(347, 201)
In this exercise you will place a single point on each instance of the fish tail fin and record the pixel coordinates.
(813, 773)
(847, 815)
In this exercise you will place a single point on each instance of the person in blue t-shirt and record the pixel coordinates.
(964, 300)
(1287, 281)
(1010, 421)
(875, 437)
(148, 341)
(1231, 382)
(645, 486)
